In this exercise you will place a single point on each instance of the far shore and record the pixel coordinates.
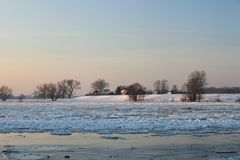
(155, 98)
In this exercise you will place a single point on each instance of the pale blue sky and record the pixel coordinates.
(122, 41)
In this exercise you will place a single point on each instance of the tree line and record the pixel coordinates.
(192, 90)
(54, 91)
(226, 90)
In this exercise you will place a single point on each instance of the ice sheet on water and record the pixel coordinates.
(65, 117)
(236, 157)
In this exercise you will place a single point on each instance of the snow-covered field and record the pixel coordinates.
(113, 114)
(160, 98)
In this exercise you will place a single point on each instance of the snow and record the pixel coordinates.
(116, 115)
(159, 98)
(111, 98)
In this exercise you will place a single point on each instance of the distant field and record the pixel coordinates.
(160, 98)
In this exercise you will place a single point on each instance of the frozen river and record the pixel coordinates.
(66, 117)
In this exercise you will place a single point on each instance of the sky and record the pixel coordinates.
(122, 41)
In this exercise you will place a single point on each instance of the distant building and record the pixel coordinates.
(124, 92)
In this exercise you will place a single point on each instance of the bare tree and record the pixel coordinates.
(195, 85)
(157, 86)
(161, 86)
(41, 91)
(164, 86)
(5, 93)
(53, 91)
(48, 90)
(136, 92)
(174, 89)
(72, 86)
(184, 88)
(59, 90)
(63, 86)
(99, 86)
